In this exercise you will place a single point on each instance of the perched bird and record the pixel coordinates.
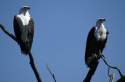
(24, 29)
(95, 44)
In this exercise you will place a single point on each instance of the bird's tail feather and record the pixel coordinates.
(90, 73)
(25, 48)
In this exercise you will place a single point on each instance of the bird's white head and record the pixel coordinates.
(100, 21)
(101, 31)
(24, 9)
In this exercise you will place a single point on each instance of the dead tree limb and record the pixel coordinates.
(7, 33)
(34, 68)
(113, 67)
(32, 64)
(110, 75)
(52, 74)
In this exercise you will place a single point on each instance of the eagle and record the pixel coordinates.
(24, 29)
(96, 41)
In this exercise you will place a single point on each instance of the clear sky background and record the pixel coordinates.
(61, 29)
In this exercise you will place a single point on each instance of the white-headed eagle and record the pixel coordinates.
(96, 41)
(24, 29)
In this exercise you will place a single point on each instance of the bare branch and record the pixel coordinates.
(52, 74)
(113, 67)
(110, 75)
(9, 34)
(34, 68)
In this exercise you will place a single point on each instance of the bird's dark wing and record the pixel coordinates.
(30, 32)
(90, 44)
(17, 27)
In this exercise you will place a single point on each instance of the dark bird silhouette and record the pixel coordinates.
(24, 29)
(95, 44)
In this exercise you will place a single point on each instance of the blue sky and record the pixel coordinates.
(61, 28)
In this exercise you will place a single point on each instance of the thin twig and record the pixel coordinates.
(9, 34)
(111, 76)
(113, 67)
(30, 54)
(52, 74)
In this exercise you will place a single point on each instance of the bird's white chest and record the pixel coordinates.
(24, 18)
(101, 32)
